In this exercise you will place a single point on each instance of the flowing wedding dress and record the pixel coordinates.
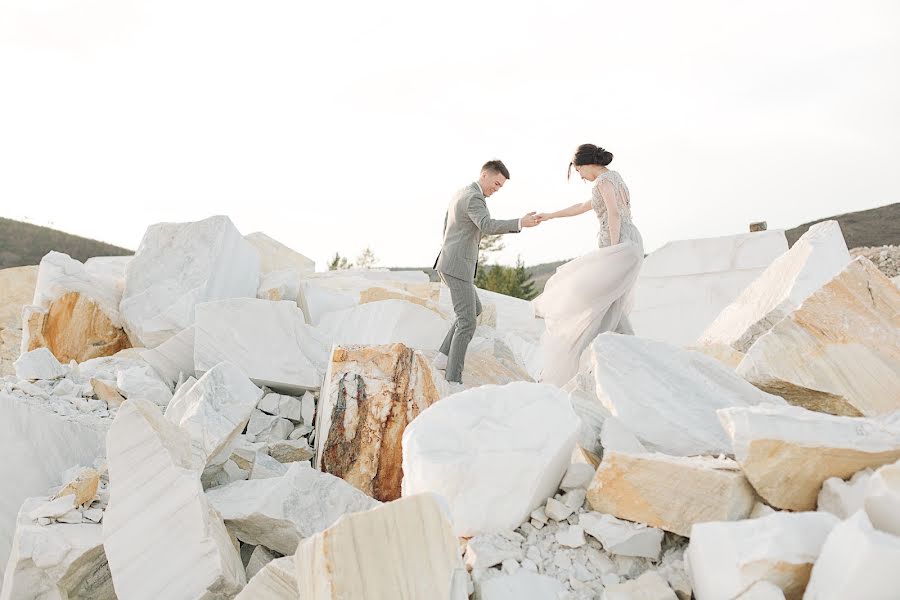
(593, 293)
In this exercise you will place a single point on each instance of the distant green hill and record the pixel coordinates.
(874, 227)
(24, 244)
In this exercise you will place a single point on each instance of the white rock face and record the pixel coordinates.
(684, 285)
(814, 259)
(139, 380)
(882, 499)
(279, 512)
(96, 279)
(56, 561)
(264, 467)
(268, 428)
(275, 256)
(666, 396)
(495, 453)
(42, 445)
(385, 322)
(521, 585)
(857, 561)
(491, 549)
(775, 444)
(280, 285)
(179, 265)
(269, 341)
(843, 498)
(162, 537)
(259, 558)
(215, 410)
(39, 364)
(839, 352)
(276, 581)
(322, 293)
(727, 558)
(669, 492)
(173, 358)
(623, 537)
(618, 438)
(355, 559)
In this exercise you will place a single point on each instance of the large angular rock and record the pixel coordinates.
(882, 499)
(268, 340)
(39, 364)
(385, 322)
(418, 560)
(839, 352)
(727, 558)
(43, 444)
(788, 452)
(494, 453)
(275, 581)
(322, 293)
(667, 396)
(857, 561)
(649, 586)
(623, 538)
(671, 493)
(163, 539)
(214, 411)
(275, 256)
(74, 312)
(684, 285)
(279, 512)
(56, 561)
(174, 358)
(814, 259)
(371, 393)
(280, 285)
(179, 265)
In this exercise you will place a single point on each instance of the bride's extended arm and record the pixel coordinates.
(575, 209)
(612, 209)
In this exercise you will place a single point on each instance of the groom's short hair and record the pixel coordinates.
(496, 166)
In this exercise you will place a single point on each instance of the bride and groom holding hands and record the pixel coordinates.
(584, 298)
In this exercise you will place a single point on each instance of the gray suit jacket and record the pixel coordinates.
(467, 219)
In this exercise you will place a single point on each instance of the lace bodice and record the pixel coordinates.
(623, 201)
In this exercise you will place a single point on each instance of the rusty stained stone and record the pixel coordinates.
(75, 328)
(374, 392)
(83, 487)
(107, 392)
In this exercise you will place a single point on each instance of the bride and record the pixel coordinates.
(591, 294)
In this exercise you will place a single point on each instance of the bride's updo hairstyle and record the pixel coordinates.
(589, 154)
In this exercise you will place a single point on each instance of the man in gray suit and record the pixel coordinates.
(467, 219)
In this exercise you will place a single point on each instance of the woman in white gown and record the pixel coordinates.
(591, 294)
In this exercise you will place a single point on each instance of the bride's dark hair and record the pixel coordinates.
(589, 154)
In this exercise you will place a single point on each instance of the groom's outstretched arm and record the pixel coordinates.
(479, 214)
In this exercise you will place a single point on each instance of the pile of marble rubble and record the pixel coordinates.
(213, 418)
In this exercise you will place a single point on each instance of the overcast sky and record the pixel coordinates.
(335, 125)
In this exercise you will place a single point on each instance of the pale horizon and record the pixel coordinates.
(333, 128)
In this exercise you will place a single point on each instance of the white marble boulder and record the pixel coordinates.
(494, 453)
(788, 452)
(275, 256)
(371, 394)
(385, 322)
(882, 499)
(839, 352)
(179, 265)
(214, 411)
(812, 261)
(278, 512)
(667, 396)
(670, 492)
(74, 312)
(857, 561)
(685, 284)
(163, 538)
(174, 358)
(268, 340)
(843, 498)
(727, 558)
(39, 364)
(58, 560)
(275, 581)
(356, 558)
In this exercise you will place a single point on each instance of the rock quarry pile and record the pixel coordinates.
(212, 418)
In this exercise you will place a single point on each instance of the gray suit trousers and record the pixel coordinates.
(467, 307)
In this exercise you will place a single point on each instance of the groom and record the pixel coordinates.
(467, 219)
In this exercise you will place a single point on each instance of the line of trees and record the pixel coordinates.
(512, 281)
